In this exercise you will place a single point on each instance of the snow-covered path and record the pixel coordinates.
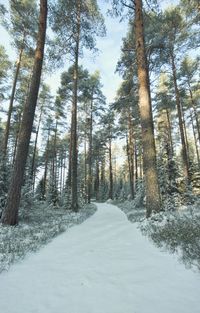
(101, 266)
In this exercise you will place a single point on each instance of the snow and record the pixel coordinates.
(104, 265)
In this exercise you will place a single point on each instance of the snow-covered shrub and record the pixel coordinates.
(43, 224)
(177, 231)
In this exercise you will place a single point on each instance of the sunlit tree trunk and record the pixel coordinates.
(136, 165)
(10, 214)
(90, 153)
(131, 153)
(195, 113)
(33, 174)
(170, 133)
(10, 109)
(110, 170)
(180, 119)
(97, 180)
(153, 200)
(195, 139)
(46, 164)
(74, 160)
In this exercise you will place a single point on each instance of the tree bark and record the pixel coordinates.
(110, 170)
(34, 152)
(195, 113)
(195, 139)
(46, 164)
(10, 214)
(74, 204)
(180, 119)
(136, 165)
(90, 153)
(170, 133)
(97, 180)
(153, 200)
(131, 153)
(10, 109)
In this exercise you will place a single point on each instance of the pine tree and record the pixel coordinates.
(10, 214)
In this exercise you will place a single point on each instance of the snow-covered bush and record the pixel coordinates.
(43, 224)
(177, 231)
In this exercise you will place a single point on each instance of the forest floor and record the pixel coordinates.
(38, 225)
(104, 265)
(176, 230)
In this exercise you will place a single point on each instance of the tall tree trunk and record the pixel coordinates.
(97, 180)
(102, 176)
(131, 153)
(85, 164)
(61, 166)
(54, 165)
(153, 200)
(69, 173)
(136, 165)
(46, 164)
(74, 204)
(180, 119)
(10, 109)
(195, 112)
(141, 167)
(10, 214)
(110, 170)
(195, 139)
(185, 134)
(129, 164)
(34, 151)
(170, 152)
(64, 169)
(90, 153)
(170, 133)
(16, 138)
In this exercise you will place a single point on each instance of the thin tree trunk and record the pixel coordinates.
(16, 139)
(136, 165)
(61, 170)
(102, 172)
(131, 153)
(63, 183)
(97, 180)
(178, 105)
(110, 170)
(10, 109)
(195, 139)
(46, 163)
(153, 200)
(74, 204)
(185, 134)
(10, 214)
(34, 151)
(195, 113)
(54, 162)
(129, 164)
(90, 153)
(170, 133)
(141, 166)
(85, 166)
(69, 174)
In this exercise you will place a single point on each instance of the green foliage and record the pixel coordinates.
(21, 22)
(5, 66)
(63, 21)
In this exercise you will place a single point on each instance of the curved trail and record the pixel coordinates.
(101, 266)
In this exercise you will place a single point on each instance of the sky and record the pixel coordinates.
(105, 60)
